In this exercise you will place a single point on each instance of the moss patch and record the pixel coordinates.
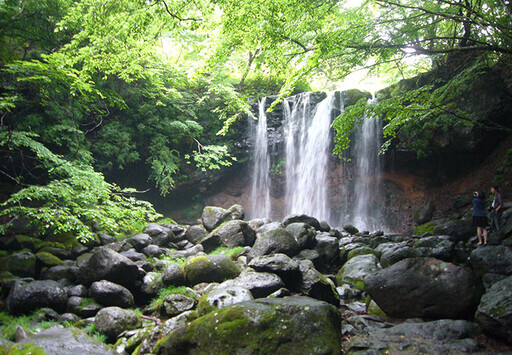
(425, 228)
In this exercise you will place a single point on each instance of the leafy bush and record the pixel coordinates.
(75, 198)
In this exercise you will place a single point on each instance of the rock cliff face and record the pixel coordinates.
(460, 160)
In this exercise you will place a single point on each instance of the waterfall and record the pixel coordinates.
(368, 168)
(307, 141)
(260, 190)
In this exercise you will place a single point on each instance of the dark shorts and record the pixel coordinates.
(479, 221)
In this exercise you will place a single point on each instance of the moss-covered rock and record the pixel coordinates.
(20, 264)
(211, 268)
(425, 228)
(263, 326)
(27, 242)
(357, 269)
(361, 251)
(48, 259)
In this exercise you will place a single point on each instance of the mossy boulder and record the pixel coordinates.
(357, 269)
(211, 268)
(112, 321)
(26, 242)
(364, 250)
(264, 326)
(20, 264)
(275, 241)
(425, 228)
(212, 217)
(48, 259)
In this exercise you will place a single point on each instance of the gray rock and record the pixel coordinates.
(301, 218)
(212, 217)
(139, 241)
(236, 233)
(25, 298)
(324, 226)
(311, 255)
(350, 229)
(261, 284)
(492, 259)
(78, 290)
(60, 272)
(105, 238)
(177, 322)
(223, 297)
(495, 309)
(347, 291)
(152, 251)
(162, 235)
(274, 241)
(237, 212)
(21, 264)
(316, 285)
(58, 340)
(425, 213)
(185, 254)
(82, 307)
(425, 287)
(269, 227)
(439, 247)
(195, 233)
(151, 284)
(264, 326)
(281, 265)
(110, 294)
(394, 255)
(211, 242)
(173, 275)
(328, 249)
(176, 304)
(211, 268)
(112, 321)
(133, 255)
(458, 230)
(106, 264)
(357, 269)
(303, 233)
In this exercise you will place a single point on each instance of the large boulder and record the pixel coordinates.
(425, 213)
(236, 233)
(264, 326)
(492, 259)
(435, 337)
(139, 241)
(106, 264)
(301, 218)
(281, 265)
(261, 284)
(195, 233)
(176, 304)
(357, 269)
(316, 285)
(439, 247)
(273, 242)
(112, 321)
(212, 217)
(58, 340)
(328, 250)
(211, 268)
(425, 288)
(394, 254)
(495, 310)
(223, 297)
(174, 275)
(21, 264)
(160, 235)
(458, 230)
(303, 233)
(25, 298)
(110, 294)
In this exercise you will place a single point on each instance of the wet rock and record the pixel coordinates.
(394, 255)
(311, 255)
(83, 307)
(25, 298)
(274, 241)
(151, 284)
(110, 294)
(267, 227)
(347, 291)
(64, 341)
(495, 309)
(261, 284)
(211, 268)
(78, 290)
(106, 264)
(21, 264)
(223, 297)
(139, 241)
(492, 259)
(60, 272)
(105, 238)
(211, 242)
(281, 265)
(316, 285)
(425, 213)
(195, 233)
(212, 217)
(458, 230)
(303, 233)
(152, 251)
(425, 287)
(301, 218)
(48, 259)
(112, 321)
(439, 247)
(133, 255)
(236, 233)
(173, 275)
(357, 269)
(277, 325)
(350, 229)
(328, 249)
(236, 212)
(161, 235)
(176, 304)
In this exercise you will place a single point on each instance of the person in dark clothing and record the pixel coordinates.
(479, 216)
(496, 209)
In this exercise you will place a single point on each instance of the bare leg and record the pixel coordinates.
(479, 235)
(485, 236)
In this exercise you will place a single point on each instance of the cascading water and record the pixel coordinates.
(367, 175)
(307, 136)
(260, 191)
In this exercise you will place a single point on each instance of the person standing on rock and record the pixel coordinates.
(479, 216)
(496, 209)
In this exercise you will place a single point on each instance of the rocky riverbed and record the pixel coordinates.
(226, 285)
